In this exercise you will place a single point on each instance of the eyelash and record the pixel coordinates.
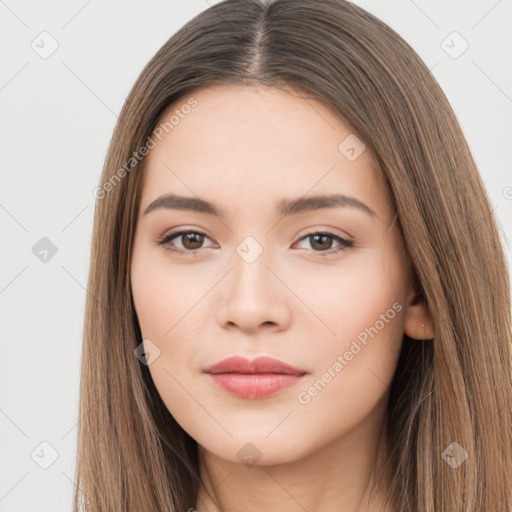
(166, 239)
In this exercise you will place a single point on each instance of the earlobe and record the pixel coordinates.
(418, 323)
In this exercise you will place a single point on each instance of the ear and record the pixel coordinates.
(417, 320)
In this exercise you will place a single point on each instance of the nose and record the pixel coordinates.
(254, 296)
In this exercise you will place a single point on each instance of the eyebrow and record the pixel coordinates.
(284, 208)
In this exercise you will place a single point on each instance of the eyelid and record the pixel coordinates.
(329, 230)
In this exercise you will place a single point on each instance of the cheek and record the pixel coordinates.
(343, 302)
(358, 340)
(163, 296)
(172, 306)
(167, 303)
(363, 306)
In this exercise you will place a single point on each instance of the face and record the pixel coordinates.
(318, 284)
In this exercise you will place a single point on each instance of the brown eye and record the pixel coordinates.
(190, 241)
(322, 242)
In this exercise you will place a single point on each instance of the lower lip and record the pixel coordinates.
(257, 385)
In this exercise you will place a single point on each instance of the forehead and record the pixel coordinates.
(226, 140)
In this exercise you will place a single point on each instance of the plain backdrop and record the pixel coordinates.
(57, 115)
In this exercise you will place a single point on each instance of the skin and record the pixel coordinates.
(246, 148)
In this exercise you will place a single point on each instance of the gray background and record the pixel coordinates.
(57, 117)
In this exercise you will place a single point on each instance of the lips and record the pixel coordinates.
(261, 377)
(239, 364)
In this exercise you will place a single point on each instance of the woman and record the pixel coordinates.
(298, 299)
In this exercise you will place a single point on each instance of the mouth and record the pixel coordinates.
(259, 378)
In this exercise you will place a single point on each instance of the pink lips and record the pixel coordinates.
(259, 378)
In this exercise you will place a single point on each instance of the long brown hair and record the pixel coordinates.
(457, 388)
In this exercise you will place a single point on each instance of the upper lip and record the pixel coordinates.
(238, 364)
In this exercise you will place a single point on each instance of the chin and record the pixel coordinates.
(253, 447)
